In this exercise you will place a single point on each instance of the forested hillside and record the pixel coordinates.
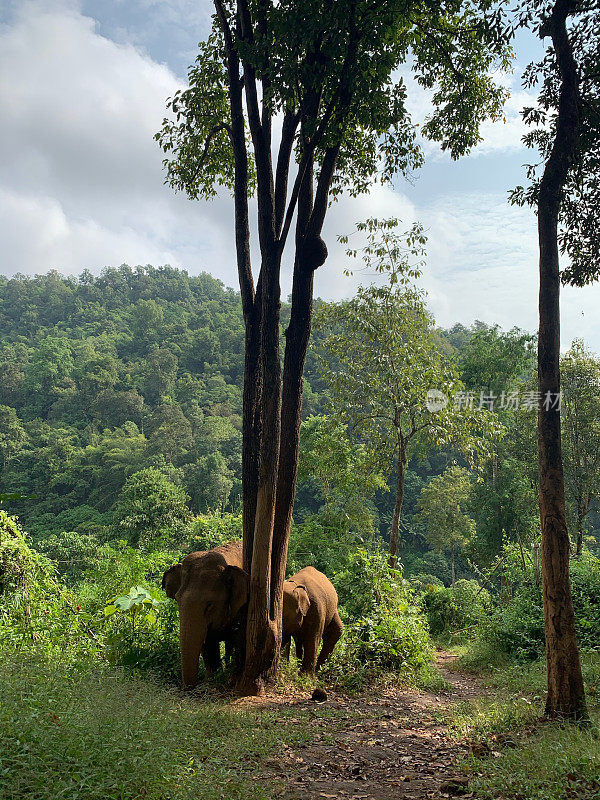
(121, 395)
(102, 377)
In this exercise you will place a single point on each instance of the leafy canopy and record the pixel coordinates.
(340, 67)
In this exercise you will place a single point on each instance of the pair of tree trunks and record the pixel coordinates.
(566, 697)
(271, 434)
(270, 475)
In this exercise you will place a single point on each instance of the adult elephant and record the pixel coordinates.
(310, 616)
(211, 590)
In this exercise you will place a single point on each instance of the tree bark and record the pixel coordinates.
(262, 632)
(395, 529)
(565, 698)
(453, 560)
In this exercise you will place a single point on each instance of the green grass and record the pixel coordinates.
(530, 758)
(553, 763)
(76, 731)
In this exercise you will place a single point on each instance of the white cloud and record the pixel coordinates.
(81, 185)
(483, 264)
(82, 181)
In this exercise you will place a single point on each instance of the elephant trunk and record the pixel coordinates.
(192, 635)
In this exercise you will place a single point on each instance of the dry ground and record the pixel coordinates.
(392, 745)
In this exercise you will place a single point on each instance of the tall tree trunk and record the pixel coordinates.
(566, 696)
(261, 630)
(251, 429)
(453, 560)
(395, 529)
(297, 337)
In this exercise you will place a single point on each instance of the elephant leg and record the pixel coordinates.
(285, 648)
(310, 648)
(299, 649)
(211, 653)
(330, 637)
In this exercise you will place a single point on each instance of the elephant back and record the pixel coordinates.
(321, 592)
(216, 559)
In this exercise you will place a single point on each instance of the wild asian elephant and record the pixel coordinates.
(310, 615)
(211, 590)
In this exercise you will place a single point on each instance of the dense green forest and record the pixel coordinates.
(131, 383)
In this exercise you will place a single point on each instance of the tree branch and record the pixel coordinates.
(290, 124)
(260, 138)
(323, 186)
(342, 92)
(222, 126)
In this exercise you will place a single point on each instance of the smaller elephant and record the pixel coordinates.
(310, 615)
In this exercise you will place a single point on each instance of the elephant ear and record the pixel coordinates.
(238, 584)
(303, 599)
(171, 580)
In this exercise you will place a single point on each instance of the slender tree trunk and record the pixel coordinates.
(582, 510)
(251, 430)
(395, 529)
(566, 696)
(453, 559)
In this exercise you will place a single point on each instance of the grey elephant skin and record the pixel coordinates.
(310, 616)
(211, 590)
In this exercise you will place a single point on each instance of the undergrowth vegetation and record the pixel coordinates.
(516, 753)
(75, 728)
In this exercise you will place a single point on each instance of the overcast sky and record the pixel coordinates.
(83, 85)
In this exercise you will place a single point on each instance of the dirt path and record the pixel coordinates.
(394, 745)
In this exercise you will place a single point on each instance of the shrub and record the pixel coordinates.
(326, 541)
(142, 632)
(424, 583)
(385, 631)
(118, 567)
(585, 586)
(516, 627)
(456, 607)
(24, 579)
(431, 563)
(214, 529)
(73, 553)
